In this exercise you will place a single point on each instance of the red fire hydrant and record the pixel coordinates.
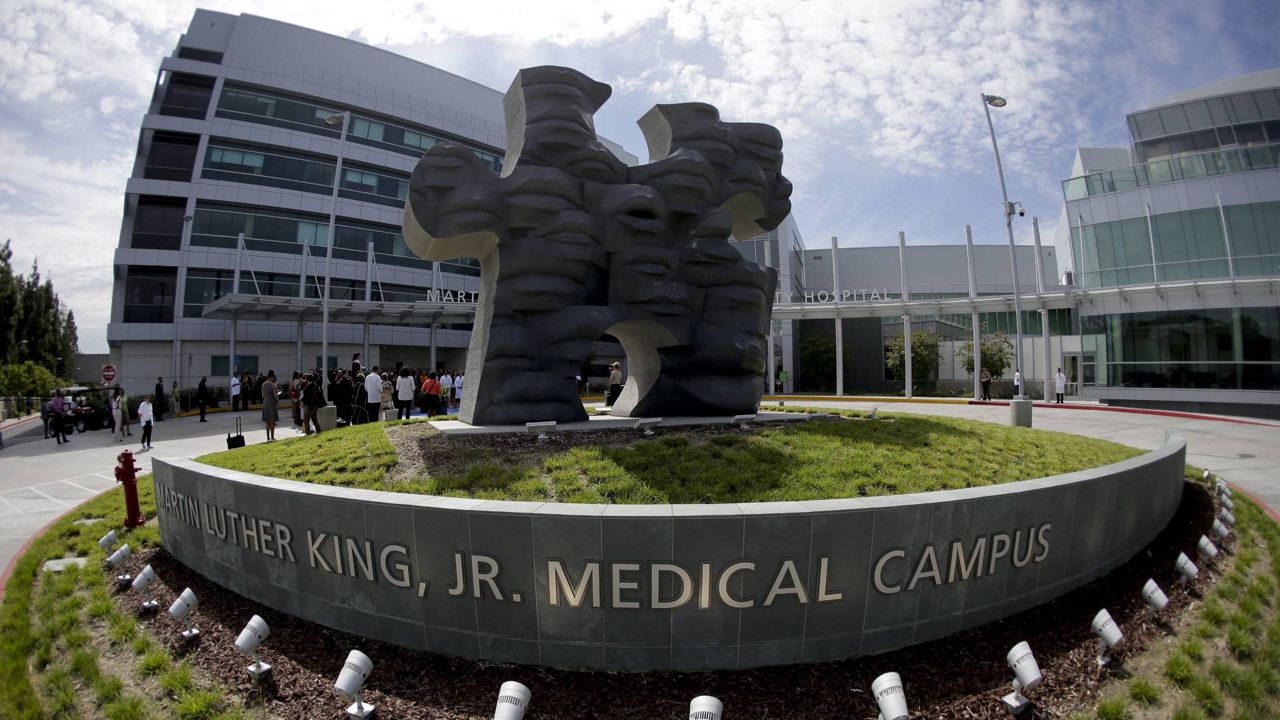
(127, 473)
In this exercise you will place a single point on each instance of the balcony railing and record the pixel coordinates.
(1186, 167)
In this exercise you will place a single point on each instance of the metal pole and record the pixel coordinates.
(328, 251)
(1013, 261)
(835, 294)
(1151, 237)
(903, 293)
(298, 366)
(769, 366)
(976, 320)
(434, 325)
(906, 333)
(1226, 238)
(1049, 375)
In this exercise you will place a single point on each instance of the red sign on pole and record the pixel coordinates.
(108, 373)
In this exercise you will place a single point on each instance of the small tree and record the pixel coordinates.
(997, 354)
(26, 379)
(924, 356)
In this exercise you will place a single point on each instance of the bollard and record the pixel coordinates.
(127, 474)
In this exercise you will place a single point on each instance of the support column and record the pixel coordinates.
(975, 319)
(835, 297)
(769, 369)
(231, 359)
(364, 351)
(434, 325)
(906, 334)
(298, 363)
(1049, 375)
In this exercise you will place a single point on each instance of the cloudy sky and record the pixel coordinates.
(878, 102)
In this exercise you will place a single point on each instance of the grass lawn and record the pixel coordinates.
(803, 461)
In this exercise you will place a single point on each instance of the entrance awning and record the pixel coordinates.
(239, 306)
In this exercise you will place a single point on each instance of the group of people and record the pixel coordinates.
(58, 414)
(1059, 381)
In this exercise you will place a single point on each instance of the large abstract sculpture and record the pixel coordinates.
(573, 244)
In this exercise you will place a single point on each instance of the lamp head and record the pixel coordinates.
(995, 101)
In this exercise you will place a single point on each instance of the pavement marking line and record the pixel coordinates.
(78, 485)
(35, 489)
(16, 509)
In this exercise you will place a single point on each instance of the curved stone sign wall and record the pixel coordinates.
(628, 587)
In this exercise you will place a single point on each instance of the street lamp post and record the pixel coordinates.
(343, 119)
(988, 102)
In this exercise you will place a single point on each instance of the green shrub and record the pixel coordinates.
(1115, 707)
(1208, 696)
(1144, 692)
(1179, 669)
(153, 663)
(107, 689)
(1193, 649)
(1240, 643)
(1188, 712)
(177, 680)
(131, 707)
(1214, 613)
(198, 705)
(84, 663)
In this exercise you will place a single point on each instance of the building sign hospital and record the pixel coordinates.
(660, 587)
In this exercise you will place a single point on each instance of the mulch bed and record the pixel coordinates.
(961, 676)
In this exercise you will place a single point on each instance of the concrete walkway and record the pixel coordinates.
(1246, 454)
(40, 480)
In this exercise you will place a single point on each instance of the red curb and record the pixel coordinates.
(13, 561)
(1133, 411)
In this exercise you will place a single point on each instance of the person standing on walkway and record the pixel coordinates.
(446, 389)
(1017, 382)
(146, 417)
(57, 417)
(404, 394)
(373, 395)
(312, 401)
(202, 396)
(159, 395)
(1062, 385)
(271, 404)
(615, 383)
(117, 414)
(457, 386)
(124, 411)
(235, 392)
(985, 379)
(431, 395)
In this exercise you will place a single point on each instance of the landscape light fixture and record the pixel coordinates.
(1222, 531)
(1207, 476)
(117, 559)
(1187, 570)
(354, 672)
(705, 707)
(742, 419)
(247, 644)
(1227, 517)
(513, 701)
(872, 415)
(143, 582)
(1109, 635)
(1155, 598)
(890, 697)
(1208, 551)
(181, 611)
(108, 541)
(541, 428)
(1026, 675)
(647, 424)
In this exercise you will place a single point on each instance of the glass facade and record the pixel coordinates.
(257, 106)
(171, 156)
(1188, 245)
(1187, 167)
(186, 95)
(271, 168)
(1170, 130)
(1223, 348)
(157, 224)
(203, 287)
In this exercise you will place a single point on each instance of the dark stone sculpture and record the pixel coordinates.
(573, 244)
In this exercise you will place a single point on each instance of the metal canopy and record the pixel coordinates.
(239, 306)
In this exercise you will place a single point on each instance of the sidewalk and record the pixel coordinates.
(40, 480)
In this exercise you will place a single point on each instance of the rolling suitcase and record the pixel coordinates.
(237, 440)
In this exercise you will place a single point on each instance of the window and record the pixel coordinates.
(1198, 117)
(171, 156)
(148, 294)
(220, 365)
(272, 284)
(224, 161)
(313, 233)
(190, 53)
(203, 287)
(358, 180)
(1174, 119)
(362, 127)
(186, 95)
(1246, 110)
(270, 109)
(418, 140)
(157, 224)
(235, 159)
(1148, 125)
